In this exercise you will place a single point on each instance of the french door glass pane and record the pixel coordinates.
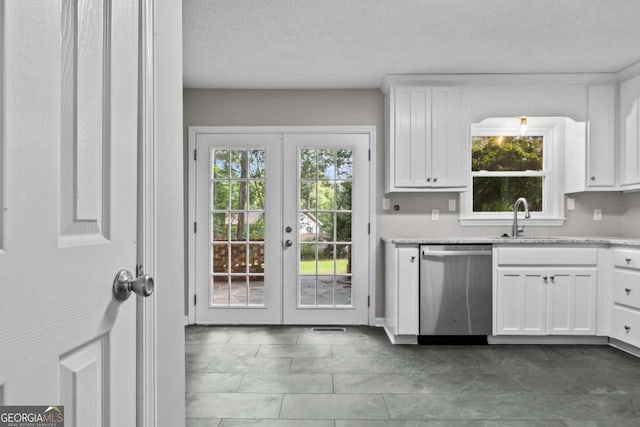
(325, 179)
(237, 227)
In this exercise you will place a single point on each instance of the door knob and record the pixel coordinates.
(124, 283)
(288, 243)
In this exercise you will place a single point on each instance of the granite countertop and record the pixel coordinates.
(528, 240)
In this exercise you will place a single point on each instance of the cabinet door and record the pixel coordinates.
(412, 141)
(449, 144)
(626, 287)
(521, 302)
(571, 304)
(625, 325)
(601, 156)
(630, 124)
(407, 309)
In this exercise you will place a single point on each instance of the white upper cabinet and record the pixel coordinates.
(630, 131)
(601, 136)
(427, 139)
(591, 161)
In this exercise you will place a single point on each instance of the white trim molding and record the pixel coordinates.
(547, 339)
(555, 131)
(146, 339)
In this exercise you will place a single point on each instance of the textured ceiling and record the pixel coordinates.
(293, 44)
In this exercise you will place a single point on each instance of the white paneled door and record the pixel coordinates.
(68, 197)
(281, 227)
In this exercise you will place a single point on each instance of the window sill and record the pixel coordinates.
(502, 221)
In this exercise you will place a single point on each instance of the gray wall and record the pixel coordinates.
(366, 107)
(631, 217)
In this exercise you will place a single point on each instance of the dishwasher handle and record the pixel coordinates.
(443, 254)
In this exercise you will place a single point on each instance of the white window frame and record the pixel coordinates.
(553, 132)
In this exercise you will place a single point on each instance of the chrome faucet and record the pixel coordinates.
(515, 230)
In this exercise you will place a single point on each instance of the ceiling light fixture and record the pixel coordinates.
(523, 126)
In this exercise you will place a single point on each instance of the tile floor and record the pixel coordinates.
(292, 377)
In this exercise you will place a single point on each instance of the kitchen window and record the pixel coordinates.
(505, 165)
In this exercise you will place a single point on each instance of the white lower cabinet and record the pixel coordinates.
(537, 295)
(521, 302)
(626, 325)
(625, 320)
(402, 276)
(571, 302)
(540, 301)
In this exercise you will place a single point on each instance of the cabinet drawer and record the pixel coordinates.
(547, 256)
(629, 258)
(626, 287)
(625, 325)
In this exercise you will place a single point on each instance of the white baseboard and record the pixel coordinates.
(379, 322)
(627, 348)
(570, 340)
(401, 339)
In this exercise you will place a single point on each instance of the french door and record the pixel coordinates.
(326, 194)
(275, 235)
(239, 212)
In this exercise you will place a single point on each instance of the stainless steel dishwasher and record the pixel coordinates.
(455, 293)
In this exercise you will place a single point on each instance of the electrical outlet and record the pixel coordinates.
(452, 205)
(435, 215)
(386, 204)
(396, 207)
(597, 214)
(571, 204)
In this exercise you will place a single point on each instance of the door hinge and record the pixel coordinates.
(368, 300)
(369, 154)
(369, 228)
(139, 270)
(195, 154)
(195, 227)
(195, 299)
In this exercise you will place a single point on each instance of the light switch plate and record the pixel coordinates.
(452, 205)
(571, 204)
(597, 214)
(435, 215)
(386, 204)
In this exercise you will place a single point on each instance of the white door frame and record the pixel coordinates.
(370, 130)
(160, 374)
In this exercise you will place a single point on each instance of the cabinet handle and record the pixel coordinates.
(544, 278)
(592, 178)
(628, 259)
(627, 290)
(428, 179)
(552, 277)
(413, 259)
(627, 328)
(435, 179)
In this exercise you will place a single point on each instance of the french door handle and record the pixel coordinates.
(124, 283)
(288, 243)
